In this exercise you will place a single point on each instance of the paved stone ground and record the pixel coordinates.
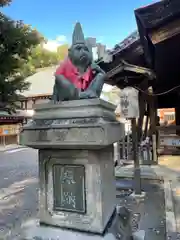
(169, 168)
(18, 194)
(18, 188)
(148, 215)
(173, 164)
(10, 147)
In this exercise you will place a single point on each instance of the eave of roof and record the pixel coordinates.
(120, 48)
(157, 14)
(6, 115)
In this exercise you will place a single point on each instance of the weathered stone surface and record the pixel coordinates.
(77, 187)
(99, 195)
(69, 137)
(37, 232)
(118, 228)
(81, 124)
(86, 108)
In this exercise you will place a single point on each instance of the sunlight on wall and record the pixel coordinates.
(30, 112)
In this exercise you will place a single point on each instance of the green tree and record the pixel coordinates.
(62, 52)
(16, 43)
(5, 2)
(41, 57)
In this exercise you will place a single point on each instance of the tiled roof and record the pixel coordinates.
(133, 37)
(41, 82)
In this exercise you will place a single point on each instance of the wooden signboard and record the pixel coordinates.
(129, 103)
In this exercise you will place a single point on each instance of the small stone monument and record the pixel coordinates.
(74, 134)
(76, 171)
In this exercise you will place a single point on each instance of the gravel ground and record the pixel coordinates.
(18, 194)
(18, 188)
(176, 198)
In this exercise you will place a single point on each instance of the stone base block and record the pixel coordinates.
(81, 124)
(32, 230)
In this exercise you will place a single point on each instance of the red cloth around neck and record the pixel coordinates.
(71, 73)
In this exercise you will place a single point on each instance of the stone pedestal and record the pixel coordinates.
(76, 171)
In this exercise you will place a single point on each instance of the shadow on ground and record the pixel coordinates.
(18, 202)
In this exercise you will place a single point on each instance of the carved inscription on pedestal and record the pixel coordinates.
(69, 188)
(65, 135)
(42, 136)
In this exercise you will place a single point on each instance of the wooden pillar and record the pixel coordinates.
(153, 120)
(142, 107)
(137, 170)
(22, 104)
(146, 123)
(177, 114)
(26, 104)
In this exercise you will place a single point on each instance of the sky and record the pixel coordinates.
(109, 21)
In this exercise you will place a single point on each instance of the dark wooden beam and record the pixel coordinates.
(177, 114)
(124, 66)
(168, 128)
(138, 69)
(153, 120)
(142, 106)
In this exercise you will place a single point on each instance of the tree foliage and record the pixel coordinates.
(21, 53)
(5, 2)
(16, 43)
(62, 52)
(41, 57)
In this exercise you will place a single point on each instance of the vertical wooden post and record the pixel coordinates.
(142, 106)
(177, 114)
(130, 110)
(128, 143)
(22, 104)
(152, 109)
(26, 105)
(146, 125)
(4, 140)
(124, 146)
(137, 171)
